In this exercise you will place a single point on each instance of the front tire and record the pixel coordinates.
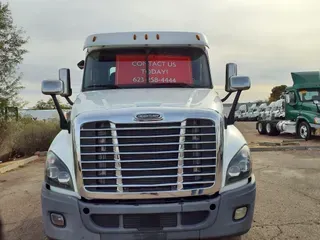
(304, 131)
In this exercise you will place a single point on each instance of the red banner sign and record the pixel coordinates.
(131, 69)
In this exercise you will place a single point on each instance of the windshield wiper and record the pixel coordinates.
(106, 86)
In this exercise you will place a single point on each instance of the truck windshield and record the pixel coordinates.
(309, 95)
(145, 68)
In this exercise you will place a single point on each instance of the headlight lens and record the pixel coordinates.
(240, 166)
(57, 173)
(317, 120)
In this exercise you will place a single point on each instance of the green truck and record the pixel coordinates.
(302, 110)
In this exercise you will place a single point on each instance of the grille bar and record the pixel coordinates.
(162, 176)
(181, 155)
(144, 128)
(145, 169)
(116, 157)
(152, 136)
(148, 160)
(145, 144)
(148, 185)
(159, 152)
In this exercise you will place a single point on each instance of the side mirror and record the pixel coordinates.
(239, 83)
(231, 71)
(64, 76)
(316, 102)
(52, 87)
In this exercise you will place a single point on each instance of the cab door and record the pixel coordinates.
(292, 105)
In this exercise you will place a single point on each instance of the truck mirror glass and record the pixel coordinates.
(52, 87)
(64, 76)
(231, 70)
(239, 83)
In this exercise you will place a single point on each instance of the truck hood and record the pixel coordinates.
(151, 97)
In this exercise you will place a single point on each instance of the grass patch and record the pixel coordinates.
(26, 136)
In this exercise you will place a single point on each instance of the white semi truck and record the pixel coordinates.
(261, 110)
(242, 112)
(146, 152)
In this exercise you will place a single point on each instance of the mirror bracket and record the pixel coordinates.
(69, 100)
(231, 119)
(226, 97)
(64, 124)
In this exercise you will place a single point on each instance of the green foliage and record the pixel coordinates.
(42, 105)
(25, 137)
(276, 93)
(11, 55)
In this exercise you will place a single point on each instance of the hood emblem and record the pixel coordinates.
(147, 117)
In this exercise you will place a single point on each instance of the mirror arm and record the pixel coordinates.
(69, 100)
(230, 119)
(226, 97)
(63, 121)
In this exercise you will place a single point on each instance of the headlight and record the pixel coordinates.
(317, 120)
(240, 166)
(57, 173)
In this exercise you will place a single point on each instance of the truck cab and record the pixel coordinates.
(253, 113)
(243, 116)
(147, 152)
(261, 110)
(302, 110)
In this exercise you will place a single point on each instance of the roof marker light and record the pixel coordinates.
(134, 37)
(146, 36)
(94, 38)
(158, 36)
(198, 37)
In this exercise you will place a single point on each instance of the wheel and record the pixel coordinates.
(261, 128)
(304, 130)
(271, 130)
(268, 128)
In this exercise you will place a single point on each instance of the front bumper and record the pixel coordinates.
(217, 222)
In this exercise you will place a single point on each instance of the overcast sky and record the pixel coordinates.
(268, 39)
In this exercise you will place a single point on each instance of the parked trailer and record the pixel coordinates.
(302, 110)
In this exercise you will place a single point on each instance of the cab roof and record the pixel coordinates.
(141, 39)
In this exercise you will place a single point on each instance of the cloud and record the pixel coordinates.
(267, 38)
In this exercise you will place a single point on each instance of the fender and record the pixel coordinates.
(233, 142)
(300, 119)
(62, 147)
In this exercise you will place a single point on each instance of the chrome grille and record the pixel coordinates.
(148, 157)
